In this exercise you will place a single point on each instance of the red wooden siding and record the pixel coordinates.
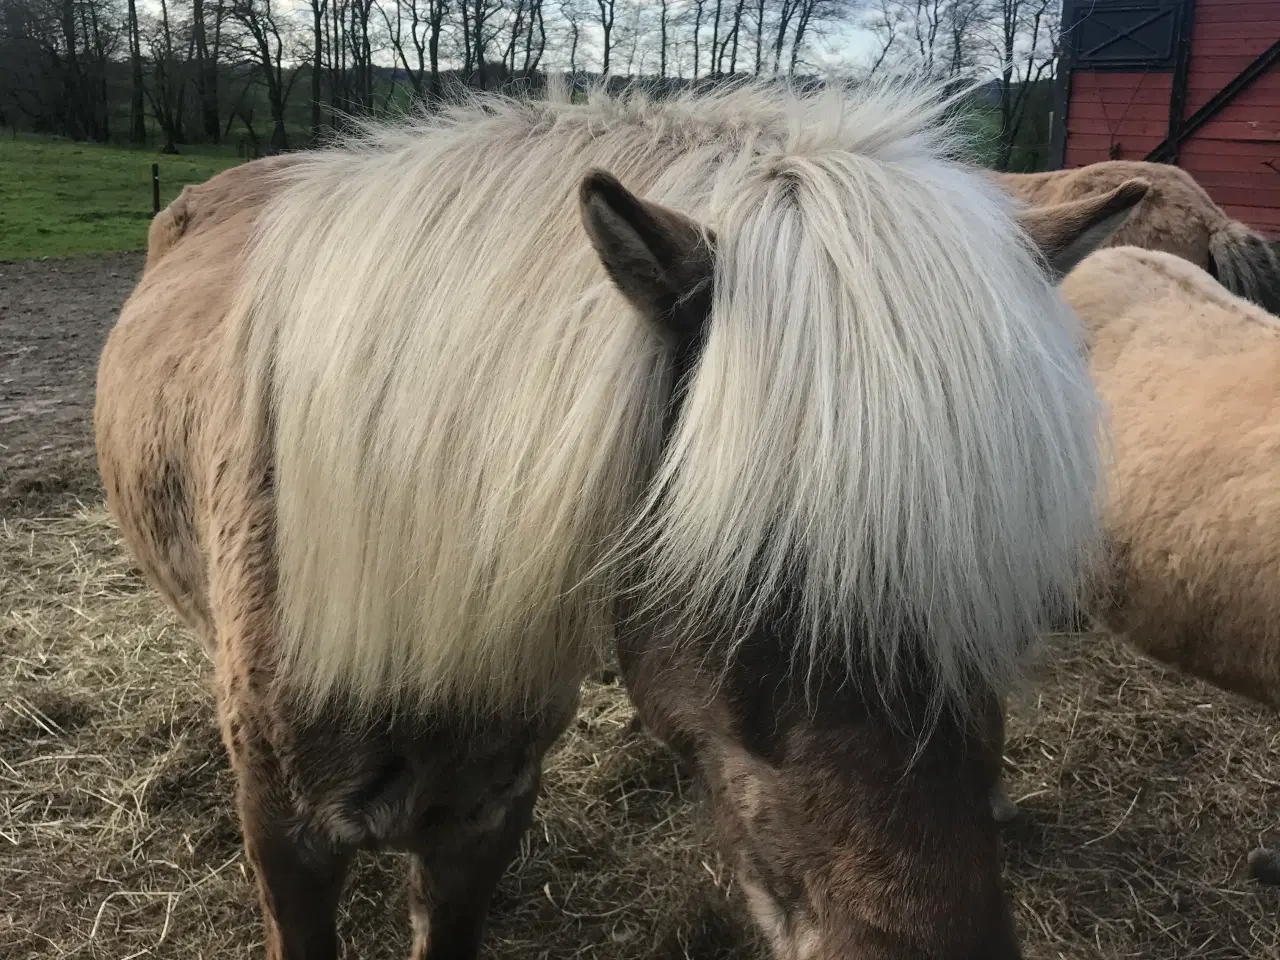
(1226, 36)
(1236, 155)
(1229, 155)
(1128, 109)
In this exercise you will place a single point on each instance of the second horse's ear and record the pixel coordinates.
(659, 259)
(1066, 233)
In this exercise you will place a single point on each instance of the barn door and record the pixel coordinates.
(1121, 36)
(1131, 35)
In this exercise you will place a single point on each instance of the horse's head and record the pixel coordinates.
(852, 809)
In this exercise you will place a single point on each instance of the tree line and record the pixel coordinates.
(281, 73)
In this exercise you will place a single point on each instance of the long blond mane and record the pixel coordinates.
(890, 411)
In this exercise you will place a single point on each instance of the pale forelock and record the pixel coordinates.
(466, 416)
(891, 425)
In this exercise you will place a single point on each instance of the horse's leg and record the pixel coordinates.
(298, 881)
(453, 874)
(297, 888)
(1003, 808)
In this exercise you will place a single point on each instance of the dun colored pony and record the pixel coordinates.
(1193, 519)
(379, 427)
(1177, 217)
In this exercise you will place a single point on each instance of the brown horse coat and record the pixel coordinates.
(1177, 217)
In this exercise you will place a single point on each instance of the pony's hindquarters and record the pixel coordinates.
(1245, 262)
(190, 478)
(157, 377)
(1178, 217)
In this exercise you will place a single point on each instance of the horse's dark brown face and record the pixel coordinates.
(852, 837)
(849, 837)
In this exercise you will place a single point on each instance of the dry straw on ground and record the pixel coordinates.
(1143, 793)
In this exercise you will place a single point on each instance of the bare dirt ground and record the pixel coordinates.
(1142, 791)
(54, 317)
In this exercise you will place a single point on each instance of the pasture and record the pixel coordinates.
(1142, 791)
(59, 197)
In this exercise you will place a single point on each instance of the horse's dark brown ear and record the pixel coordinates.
(659, 259)
(1066, 233)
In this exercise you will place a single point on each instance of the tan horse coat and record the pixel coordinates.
(195, 509)
(193, 253)
(1177, 217)
(1191, 376)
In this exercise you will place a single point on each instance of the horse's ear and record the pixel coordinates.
(659, 259)
(1066, 233)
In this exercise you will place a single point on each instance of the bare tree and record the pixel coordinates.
(319, 9)
(795, 24)
(98, 25)
(426, 20)
(713, 69)
(810, 20)
(263, 31)
(1028, 38)
(607, 13)
(787, 13)
(360, 48)
(519, 16)
(574, 17)
(732, 37)
(941, 39)
(699, 10)
(54, 63)
(664, 21)
(965, 24)
(633, 35)
(759, 17)
(534, 48)
(137, 99)
(206, 64)
(167, 91)
(885, 21)
(335, 30)
(481, 24)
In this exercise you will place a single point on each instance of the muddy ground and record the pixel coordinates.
(1142, 791)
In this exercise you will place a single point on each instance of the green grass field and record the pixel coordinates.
(58, 197)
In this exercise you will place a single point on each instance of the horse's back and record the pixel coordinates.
(1132, 299)
(163, 370)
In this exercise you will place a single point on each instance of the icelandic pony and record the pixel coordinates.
(1178, 217)
(405, 445)
(1186, 369)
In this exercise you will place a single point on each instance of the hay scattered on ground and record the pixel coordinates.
(1143, 794)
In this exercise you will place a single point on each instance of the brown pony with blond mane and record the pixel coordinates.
(1177, 217)
(407, 430)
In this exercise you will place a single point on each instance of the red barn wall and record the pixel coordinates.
(1130, 110)
(1236, 155)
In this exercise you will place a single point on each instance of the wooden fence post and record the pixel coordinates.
(155, 189)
